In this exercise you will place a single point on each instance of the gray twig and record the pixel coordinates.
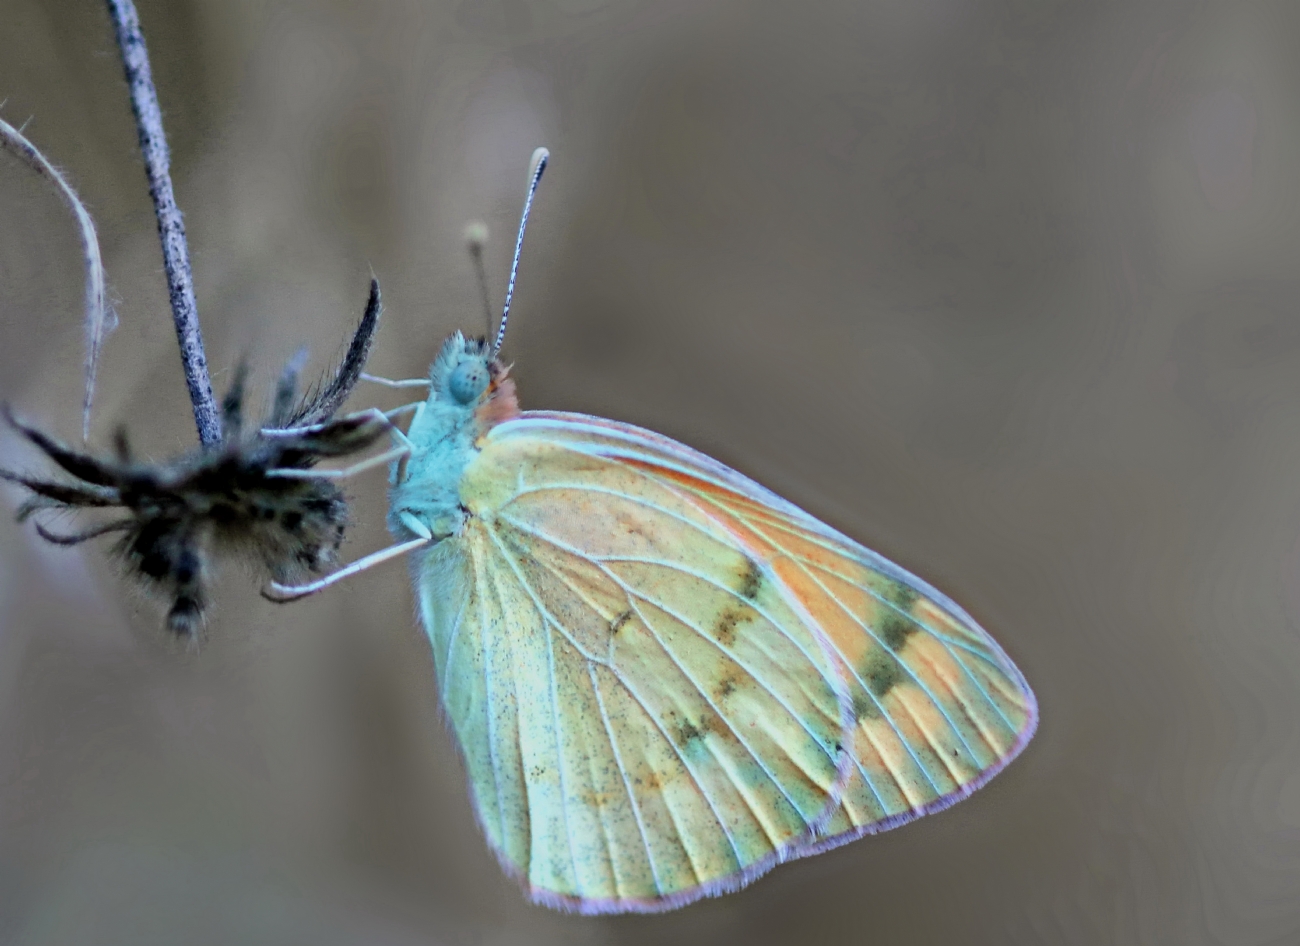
(171, 228)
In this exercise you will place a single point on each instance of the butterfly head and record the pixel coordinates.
(468, 376)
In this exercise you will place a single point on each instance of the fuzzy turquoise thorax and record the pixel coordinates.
(469, 393)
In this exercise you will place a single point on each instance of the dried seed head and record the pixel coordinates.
(178, 516)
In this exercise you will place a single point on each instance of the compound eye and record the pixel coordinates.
(468, 381)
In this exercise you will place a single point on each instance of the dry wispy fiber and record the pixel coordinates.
(99, 317)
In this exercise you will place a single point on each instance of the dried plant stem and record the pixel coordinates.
(171, 227)
(99, 318)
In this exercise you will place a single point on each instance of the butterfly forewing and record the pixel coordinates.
(937, 708)
(722, 581)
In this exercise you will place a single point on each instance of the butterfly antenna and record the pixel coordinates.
(476, 236)
(535, 169)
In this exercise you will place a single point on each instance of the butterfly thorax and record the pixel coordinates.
(469, 393)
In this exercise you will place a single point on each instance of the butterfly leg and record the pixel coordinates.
(388, 456)
(411, 408)
(399, 471)
(307, 430)
(376, 413)
(414, 407)
(282, 594)
(390, 383)
(347, 420)
(346, 428)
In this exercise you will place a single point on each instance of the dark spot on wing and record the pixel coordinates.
(616, 625)
(902, 597)
(881, 672)
(895, 629)
(730, 622)
(864, 707)
(751, 580)
(689, 735)
(629, 525)
(724, 629)
(725, 688)
(596, 799)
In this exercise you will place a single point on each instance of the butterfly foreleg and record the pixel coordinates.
(411, 522)
(401, 440)
(415, 407)
(348, 423)
(374, 413)
(390, 383)
(282, 594)
(388, 456)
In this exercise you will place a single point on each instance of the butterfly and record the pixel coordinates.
(663, 678)
(256, 495)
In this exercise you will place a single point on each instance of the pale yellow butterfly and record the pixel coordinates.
(665, 679)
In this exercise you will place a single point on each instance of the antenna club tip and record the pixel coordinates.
(475, 236)
(537, 163)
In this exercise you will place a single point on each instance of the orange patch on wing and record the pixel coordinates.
(845, 634)
(930, 614)
(936, 666)
(783, 555)
(913, 744)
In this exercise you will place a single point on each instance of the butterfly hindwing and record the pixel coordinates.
(645, 718)
(666, 679)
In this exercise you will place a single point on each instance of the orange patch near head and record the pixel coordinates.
(499, 402)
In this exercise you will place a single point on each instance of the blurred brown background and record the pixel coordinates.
(1006, 290)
